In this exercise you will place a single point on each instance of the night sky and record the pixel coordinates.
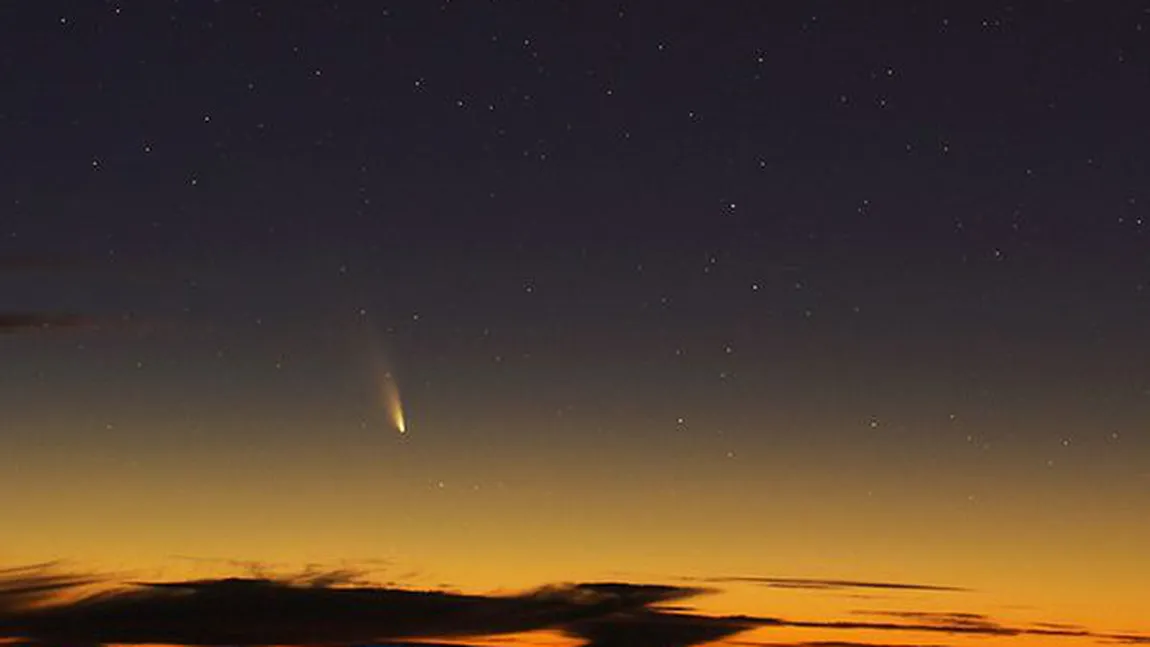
(769, 323)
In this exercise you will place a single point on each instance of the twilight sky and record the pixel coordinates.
(763, 323)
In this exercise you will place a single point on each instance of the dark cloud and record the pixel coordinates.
(945, 619)
(23, 587)
(13, 322)
(961, 624)
(960, 628)
(955, 621)
(831, 643)
(1128, 639)
(37, 321)
(657, 629)
(1057, 625)
(822, 585)
(250, 611)
(43, 607)
(426, 643)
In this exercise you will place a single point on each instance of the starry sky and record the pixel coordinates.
(756, 323)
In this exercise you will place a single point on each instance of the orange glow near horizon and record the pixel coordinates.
(809, 608)
(529, 540)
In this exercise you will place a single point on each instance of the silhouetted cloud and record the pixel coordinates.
(1128, 639)
(1057, 625)
(42, 607)
(423, 643)
(946, 619)
(961, 624)
(961, 628)
(831, 643)
(822, 584)
(956, 621)
(657, 629)
(247, 611)
(22, 587)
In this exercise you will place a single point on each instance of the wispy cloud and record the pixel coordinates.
(23, 587)
(13, 322)
(826, 584)
(1128, 639)
(946, 619)
(971, 624)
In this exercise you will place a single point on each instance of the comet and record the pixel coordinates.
(384, 386)
(392, 404)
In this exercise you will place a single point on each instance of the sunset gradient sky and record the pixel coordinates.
(791, 302)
